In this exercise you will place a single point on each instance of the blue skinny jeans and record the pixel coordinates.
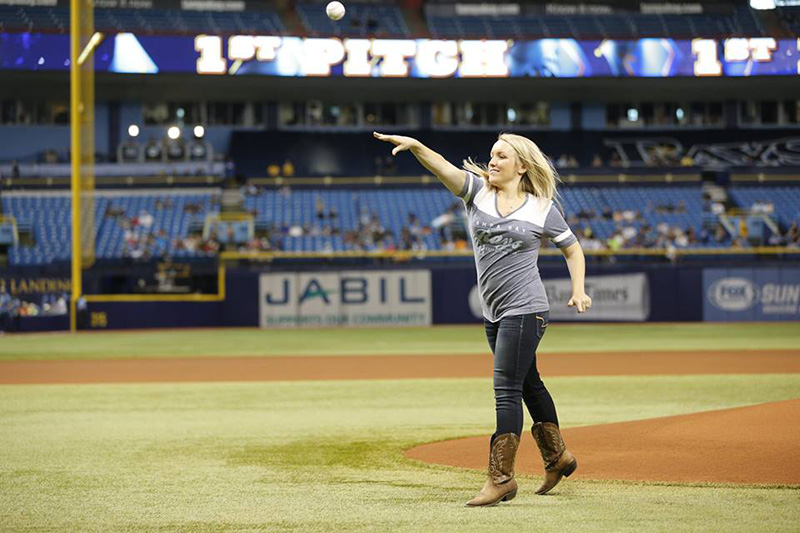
(514, 341)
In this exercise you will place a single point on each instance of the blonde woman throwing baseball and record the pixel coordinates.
(510, 206)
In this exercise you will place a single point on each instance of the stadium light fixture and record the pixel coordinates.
(762, 4)
(174, 132)
(133, 130)
(199, 131)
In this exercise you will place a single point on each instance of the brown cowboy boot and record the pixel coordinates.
(558, 461)
(500, 485)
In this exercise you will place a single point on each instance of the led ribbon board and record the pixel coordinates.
(412, 58)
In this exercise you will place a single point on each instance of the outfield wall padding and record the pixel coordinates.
(673, 294)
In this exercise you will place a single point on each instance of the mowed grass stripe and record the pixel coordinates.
(560, 338)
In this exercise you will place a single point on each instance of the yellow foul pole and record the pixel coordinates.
(75, 137)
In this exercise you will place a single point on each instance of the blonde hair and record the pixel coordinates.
(540, 178)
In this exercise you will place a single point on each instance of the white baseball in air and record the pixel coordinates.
(335, 10)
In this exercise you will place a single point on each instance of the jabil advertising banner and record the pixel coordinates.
(345, 298)
(751, 294)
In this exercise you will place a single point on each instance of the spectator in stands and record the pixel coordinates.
(597, 161)
(705, 235)
(387, 244)
(679, 238)
(145, 220)
(319, 208)
(416, 228)
(691, 236)
(164, 203)
(647, 237)
(687, 160)
(665, 208)
(628, 233)
(445, 220)
(273, 170)
(14, 169)
(296, 230)
(210, 246)
(193, 207)
(587, 239)
(586, 214)
(407, 240)
(616, 160)
(375, 231)
(629, 215)
(114, 212)
(793, 236)
(762, 207)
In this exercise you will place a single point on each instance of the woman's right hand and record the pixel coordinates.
(400, 142)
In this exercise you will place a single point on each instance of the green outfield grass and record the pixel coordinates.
(327, 456)
(411, 341)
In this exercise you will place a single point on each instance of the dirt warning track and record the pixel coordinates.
(390, 367)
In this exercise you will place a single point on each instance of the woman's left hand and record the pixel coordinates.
(581, 300)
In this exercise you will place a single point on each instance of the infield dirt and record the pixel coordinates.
(391, 367)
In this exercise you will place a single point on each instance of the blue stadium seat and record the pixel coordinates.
(145, 21)
(742, 22)
(49, 217)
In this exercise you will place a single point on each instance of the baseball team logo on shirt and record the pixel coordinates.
(485, 242)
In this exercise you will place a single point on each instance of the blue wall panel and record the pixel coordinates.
(140, 315)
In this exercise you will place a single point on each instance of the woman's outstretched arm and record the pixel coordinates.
(451, 176)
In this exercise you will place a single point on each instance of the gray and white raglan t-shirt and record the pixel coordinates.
(507, 249)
